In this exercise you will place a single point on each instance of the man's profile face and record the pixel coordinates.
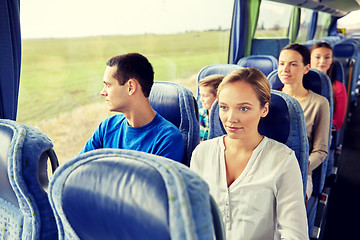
(114, 93)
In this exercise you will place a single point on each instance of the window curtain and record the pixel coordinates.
(294, 24)
(10, 57)
(312, 28)
(238, 28)
(253, 16)
(245, 16)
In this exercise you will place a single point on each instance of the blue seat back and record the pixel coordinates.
(319, 83)
(337, 136)
(25, 208)
(338, 71)
(268, 46)
(348, 53)
(265, 63)
(177, 104)
(126, 194)
(285, 123)
(223, 69)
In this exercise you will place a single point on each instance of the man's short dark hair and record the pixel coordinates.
(133, 65)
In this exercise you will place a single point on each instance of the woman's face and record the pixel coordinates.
(240, 110)
(291, 68)
(321, 59)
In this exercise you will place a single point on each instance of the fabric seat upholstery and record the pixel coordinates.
(126, 194)
(25, 208)
(265, 63)
(177, 105)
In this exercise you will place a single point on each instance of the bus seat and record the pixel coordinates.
(126, 194)
(268, 46)
(284, 123)
(178, 105)
(337, 136)
(338, 71)
(348, 53)
(265, 63)
(25, 208)
(221, 68)
(319, 83)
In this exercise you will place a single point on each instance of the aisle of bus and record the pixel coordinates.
(343, 207)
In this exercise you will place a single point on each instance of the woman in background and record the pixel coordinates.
(322, 59)
(294, 63)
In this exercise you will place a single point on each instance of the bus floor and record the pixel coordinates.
(343, 215)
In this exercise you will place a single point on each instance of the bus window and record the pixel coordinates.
(65, 46)
(273, 19)
(322, 25)
(305, 21)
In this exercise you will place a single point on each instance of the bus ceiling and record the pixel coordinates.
(337, 8)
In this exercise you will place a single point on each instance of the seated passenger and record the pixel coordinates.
(207, 89)
(255, 180)
(294, 63)
(322, 59)
(128, 80)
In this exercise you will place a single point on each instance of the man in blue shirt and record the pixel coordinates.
(128, 79)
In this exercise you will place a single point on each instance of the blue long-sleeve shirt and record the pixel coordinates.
(159, 137)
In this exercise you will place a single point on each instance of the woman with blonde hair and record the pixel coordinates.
(255, 180)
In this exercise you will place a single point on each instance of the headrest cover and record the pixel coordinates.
(164, 99)
(276, 124)
(345, 50)
(223, 69)
(107, 199)
(312, 80)
(265, 63)
(112, 193)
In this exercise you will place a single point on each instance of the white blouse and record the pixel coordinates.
(266, 201)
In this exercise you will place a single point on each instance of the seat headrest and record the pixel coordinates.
(338, 71)
(265, 63)
(276, 124)
(164, 99)
(314, 80)
(111, 198)
(345, 50)
(223, 69)
(112, 193)
(268, 46)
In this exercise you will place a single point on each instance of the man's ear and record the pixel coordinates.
(132, 86)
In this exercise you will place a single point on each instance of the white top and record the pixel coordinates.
(266, 201)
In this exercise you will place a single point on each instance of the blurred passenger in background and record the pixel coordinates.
(207, 89)
(322, 59)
